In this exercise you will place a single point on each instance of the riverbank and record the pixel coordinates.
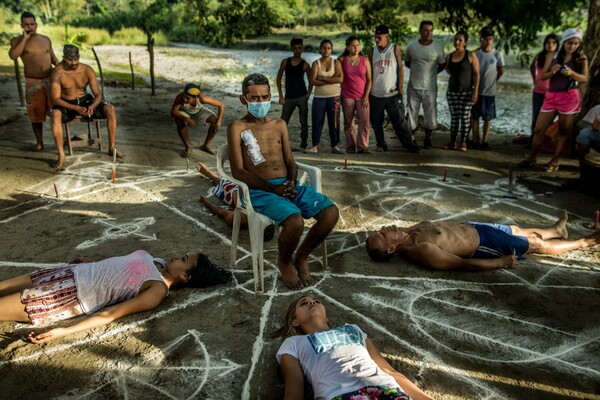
(530, 332)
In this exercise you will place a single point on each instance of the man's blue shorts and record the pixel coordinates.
(307, 202)
(498, 240)
(484, 108)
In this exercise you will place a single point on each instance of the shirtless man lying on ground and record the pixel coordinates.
(472, 246)
(260, 156)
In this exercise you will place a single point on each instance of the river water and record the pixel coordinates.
(224, 69)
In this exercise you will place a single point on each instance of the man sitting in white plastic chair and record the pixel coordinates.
(260, 156)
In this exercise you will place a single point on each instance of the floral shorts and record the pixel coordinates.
(374, 393)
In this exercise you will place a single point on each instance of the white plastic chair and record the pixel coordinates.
(257, 223)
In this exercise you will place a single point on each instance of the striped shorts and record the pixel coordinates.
(225, 191)
(53, 296)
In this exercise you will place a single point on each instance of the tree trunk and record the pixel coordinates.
(19, 84)
(150, 37)
(591, 45)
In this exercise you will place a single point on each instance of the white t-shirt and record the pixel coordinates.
(488, 71)
(336, 361)
(424, 62)
(592, 114)
(114, 280)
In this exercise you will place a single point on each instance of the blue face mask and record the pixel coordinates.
(259, 109)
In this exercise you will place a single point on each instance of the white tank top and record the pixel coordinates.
(192, 109)
(114, 280)
(331, 90)
(385, 71)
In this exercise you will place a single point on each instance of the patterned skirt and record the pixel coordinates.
(53, 296)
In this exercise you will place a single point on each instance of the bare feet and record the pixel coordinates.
(593, 239)
(203, 200)
(208, 149)
(561, 225)
(38, 147)
(59, 165)
(186, 152)
(508, 261)
(289, 275)
(202, 168)
(304, 272)
(120, 155)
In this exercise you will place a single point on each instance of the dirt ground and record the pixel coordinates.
(527, 333)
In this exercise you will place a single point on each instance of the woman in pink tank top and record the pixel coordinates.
(115, 287)
(355, 96)
(540, 86)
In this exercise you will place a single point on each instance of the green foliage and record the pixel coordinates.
(516, 22)
(375, 13)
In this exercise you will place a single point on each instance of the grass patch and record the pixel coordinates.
(122, 78)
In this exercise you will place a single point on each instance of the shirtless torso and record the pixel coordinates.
(73, 82)
(458, 239)
(36, 53)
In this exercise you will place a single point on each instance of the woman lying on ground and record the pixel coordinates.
(339, 363)
(126, 285)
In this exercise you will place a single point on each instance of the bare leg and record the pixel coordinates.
(289, 237)
(540, 246)
(224, 213)
(11, 308)
(326, 220)
(37, 130)
(15, 285)
(544, 120)
(475, 128)
(209, 136)
(57, 133)
(558, 231)
(487, 126)
(111, 123)
(565, 125)
(203, 169)
(185, 138)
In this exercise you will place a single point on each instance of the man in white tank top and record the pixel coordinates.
(386, 92)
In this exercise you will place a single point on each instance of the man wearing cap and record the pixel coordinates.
(70, 99)
(425, 58)
(189, 109)
(491, 69)
(386, 91)
(37, 55)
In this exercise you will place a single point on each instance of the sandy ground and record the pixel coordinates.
(531, 332)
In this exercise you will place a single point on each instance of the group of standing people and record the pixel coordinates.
(367, 87)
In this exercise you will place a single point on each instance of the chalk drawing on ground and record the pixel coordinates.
(395, 197)
(116, 230)
(185, 364)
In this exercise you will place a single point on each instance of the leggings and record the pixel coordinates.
(460, 105)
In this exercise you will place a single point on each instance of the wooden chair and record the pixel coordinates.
(258, 222)
(90, 140)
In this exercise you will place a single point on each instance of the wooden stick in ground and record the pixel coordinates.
(19, 85)
(100, 71)
(132, 75)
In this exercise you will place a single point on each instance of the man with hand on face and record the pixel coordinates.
(37, 55)
(70, 99)
(260, 156)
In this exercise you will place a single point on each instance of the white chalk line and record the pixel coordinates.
(477, 310)
(537, 355)
(378, 326)
(193, 299)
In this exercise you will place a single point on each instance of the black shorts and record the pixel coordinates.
(85, 101)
